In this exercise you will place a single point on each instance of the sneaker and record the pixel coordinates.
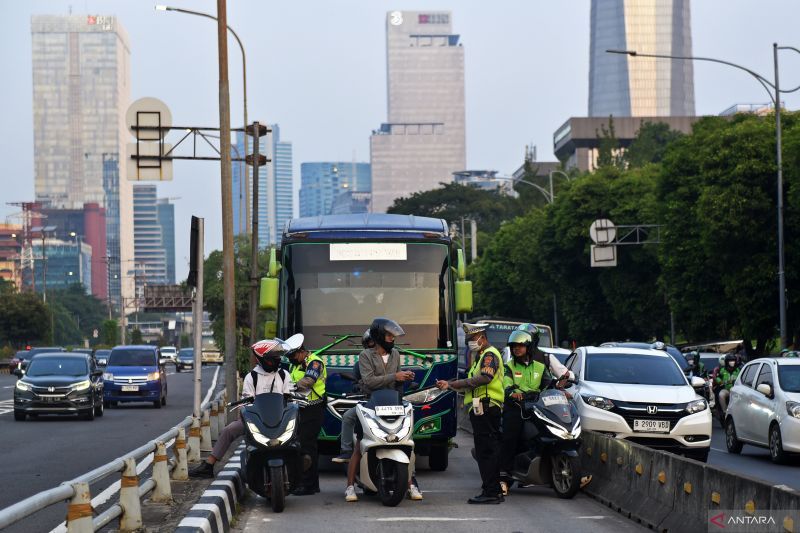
(484, 498)
(203, 470)
(350, 494)
(414, 493)
(504, 488)
(342, 458)
(585, 480)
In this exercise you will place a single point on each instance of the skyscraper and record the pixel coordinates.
(150, 257)
(320, 183)
(626, 86)
(166, 219)
(81, 90)
(275, 186)
(424, 140)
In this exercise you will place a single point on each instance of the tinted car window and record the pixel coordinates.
(632, 369)
(765, 376)
(132, 357)
(749, 374)
(789, 377)
(48, 366)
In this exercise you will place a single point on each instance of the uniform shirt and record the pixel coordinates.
(283, 385)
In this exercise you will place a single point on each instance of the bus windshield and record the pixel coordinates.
(330, 289)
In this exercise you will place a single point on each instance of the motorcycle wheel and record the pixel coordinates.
(392, 482)
(566, 475)
(277, 489)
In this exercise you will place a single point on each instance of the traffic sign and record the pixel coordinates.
(602, 231)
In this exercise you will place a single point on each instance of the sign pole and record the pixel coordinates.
(198, 317)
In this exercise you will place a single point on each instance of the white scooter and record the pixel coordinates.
(386, 445)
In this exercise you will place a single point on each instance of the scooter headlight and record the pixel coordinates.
(375, 429)
(288, 433)
(424, 396)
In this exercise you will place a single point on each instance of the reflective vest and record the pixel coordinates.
(522, 377)
(298, 373)
(494, 390)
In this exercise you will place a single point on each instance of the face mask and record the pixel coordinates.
(474, 346)
(731, 364)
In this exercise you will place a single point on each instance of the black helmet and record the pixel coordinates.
(269, 352)
(731, 357)
(521, 337)
(366, 341)
(532, 330)
(692, 357)
(380, 327)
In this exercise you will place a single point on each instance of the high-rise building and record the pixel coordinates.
(81, 90)
(275, 186)
(424, 141)
(10, 250)
(625, 86)
(60, 263)
(166, 219)
(150, 257)
(321, 183)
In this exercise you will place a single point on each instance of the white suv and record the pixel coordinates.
(764, 408)
(640, 395)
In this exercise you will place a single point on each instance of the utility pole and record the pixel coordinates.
(197, 317)
(256, 160)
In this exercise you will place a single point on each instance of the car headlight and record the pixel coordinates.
(22, 386)
(81, 385)
(153, 376)
(424, 396)
(696, 406)
(792, 407)
(598, 401)
(108, 376)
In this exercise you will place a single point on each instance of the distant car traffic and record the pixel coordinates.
(169, 352)
(135, 374)
(39, 349)
(642, 396)
(185, 359)
(16, 361)
(59, 383)
(101, 356)
(764, 408)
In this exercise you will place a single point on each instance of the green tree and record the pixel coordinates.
(109, 331)
(608, 150)
(650, 144)
(23, 318)
(136, 336)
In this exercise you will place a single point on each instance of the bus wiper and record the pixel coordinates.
(424, 357)
(338, 339)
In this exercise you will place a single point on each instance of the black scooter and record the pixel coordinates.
(550, 442)
(271, 460)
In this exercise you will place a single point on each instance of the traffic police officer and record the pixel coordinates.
(309, 374)
(483, 397)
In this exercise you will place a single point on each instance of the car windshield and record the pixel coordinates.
(132, 357)
(629, 368)
(184, 354)
(104, 353)
(497, 334)
(50, 366)
(789, 377)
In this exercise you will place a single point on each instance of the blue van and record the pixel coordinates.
(135, 374)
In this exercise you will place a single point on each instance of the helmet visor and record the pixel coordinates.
(394, 328)
(519, 337)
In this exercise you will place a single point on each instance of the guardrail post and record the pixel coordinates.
(205, 433)
(194, 441)
(163, 491)
(214, 420)
(131, 519)
(79, 512)
(181, 472)
(224, 408)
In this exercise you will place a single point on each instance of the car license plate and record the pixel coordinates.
(130, 388)
(651, 426)
(389, 410)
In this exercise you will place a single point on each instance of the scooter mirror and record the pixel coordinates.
(414, 386)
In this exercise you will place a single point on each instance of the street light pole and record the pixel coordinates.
(550, 174)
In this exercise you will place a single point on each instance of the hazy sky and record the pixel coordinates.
(318, 68)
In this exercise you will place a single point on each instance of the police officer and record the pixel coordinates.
(309, 374)
(484, 396)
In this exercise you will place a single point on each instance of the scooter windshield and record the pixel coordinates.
(556, 406)
(384, 397)
(269, 408)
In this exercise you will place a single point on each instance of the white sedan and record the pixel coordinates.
(640, 395)
(764, 408)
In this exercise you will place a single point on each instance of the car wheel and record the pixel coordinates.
(776, 452)
(19, 416)
(164, 400)
(99, 409)
(733, 444)
(106, 404)
(89, 414)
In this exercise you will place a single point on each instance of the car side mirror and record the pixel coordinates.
(97, 373)
(697, 382)
(765, 389)
(163, 361)
(413, 386)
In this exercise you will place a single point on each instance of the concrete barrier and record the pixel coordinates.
(668, 492)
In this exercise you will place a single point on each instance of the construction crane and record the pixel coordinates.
(29, 217)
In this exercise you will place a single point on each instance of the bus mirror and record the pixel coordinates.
(274, 266)
(270, 329)
(463, 296)
(268, 297)
(462, 268)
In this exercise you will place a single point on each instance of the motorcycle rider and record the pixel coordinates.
(349, 417)
(696, 366)
(725, 379)
(484, 397)
(380, 369)
(309, 374)
(266, 376)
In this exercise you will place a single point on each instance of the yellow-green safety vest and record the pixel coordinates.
(494, 390)
(524, 378)
(298, 372)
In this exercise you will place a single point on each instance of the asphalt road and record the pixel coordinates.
(40, 454)
(443, 509)
(753, 462)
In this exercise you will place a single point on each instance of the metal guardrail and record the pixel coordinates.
(80, 514)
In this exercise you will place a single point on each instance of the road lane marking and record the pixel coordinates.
(434, 519)
(718, 450)
(591, 517)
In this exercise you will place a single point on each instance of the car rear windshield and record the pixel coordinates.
(628, 368)
(132, 357)
(789, 377)
(46, 366)
(186, 351)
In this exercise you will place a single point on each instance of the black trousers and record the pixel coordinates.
(486, 432)
(310, 422)
(512, 434)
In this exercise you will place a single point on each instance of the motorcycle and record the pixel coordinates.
(551, 439)
(706, 390)
(271, 460)
(386, 445)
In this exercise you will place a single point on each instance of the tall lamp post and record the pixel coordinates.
(769, 87)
